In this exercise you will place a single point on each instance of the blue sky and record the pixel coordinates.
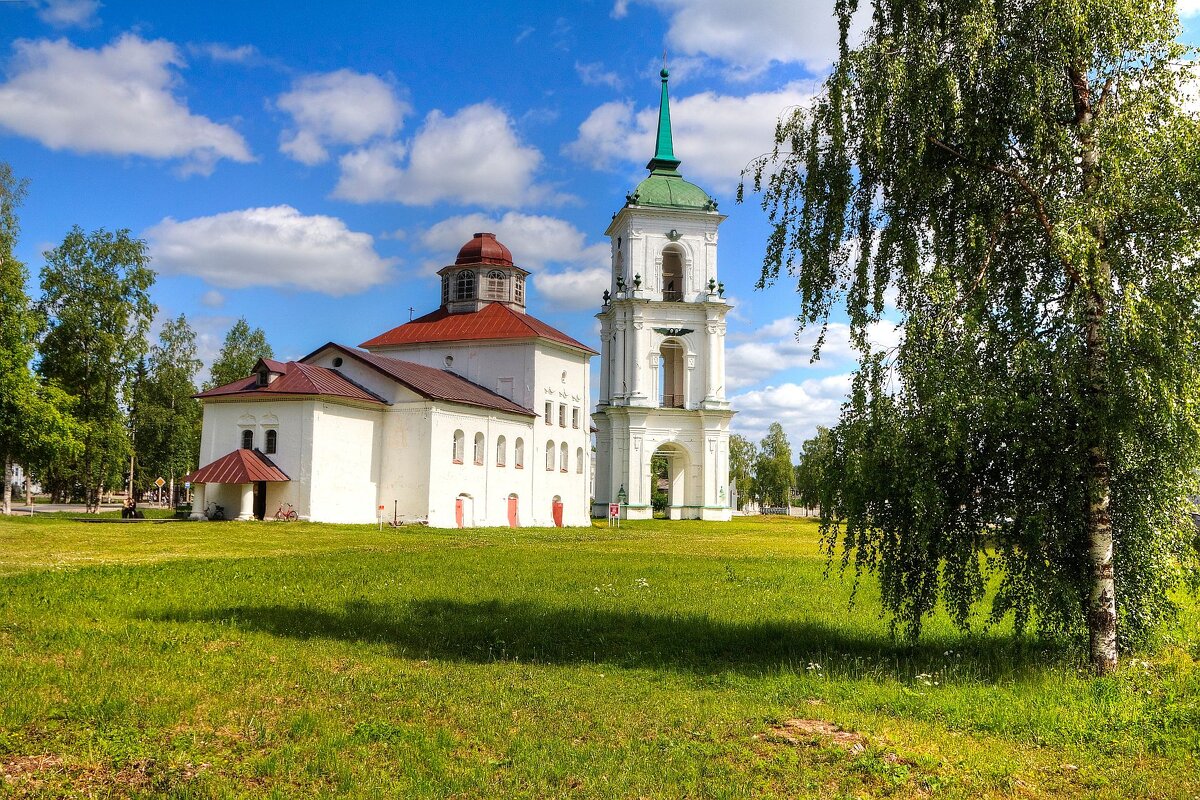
(310, 165)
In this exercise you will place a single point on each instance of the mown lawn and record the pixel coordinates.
(661, 660)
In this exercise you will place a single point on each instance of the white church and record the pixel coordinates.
(476, 414)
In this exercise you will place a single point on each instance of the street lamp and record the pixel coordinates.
(622, 496)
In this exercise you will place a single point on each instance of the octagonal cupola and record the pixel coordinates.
(482, 273)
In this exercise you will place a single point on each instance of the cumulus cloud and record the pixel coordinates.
(750, 35)
(715, 135)
(798, 407)
(1188, 8)
(472, 156)
(275, 246)
(569, 274)
(117, 100)
(68, 13)
(212, 299)
(338, 108)
(776, 347)
(594, 74)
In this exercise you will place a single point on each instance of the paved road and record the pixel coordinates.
(77, 508)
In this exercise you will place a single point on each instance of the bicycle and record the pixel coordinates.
(217, 513)
(286, 516)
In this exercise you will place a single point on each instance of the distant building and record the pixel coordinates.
(662, 332)
(474, 414)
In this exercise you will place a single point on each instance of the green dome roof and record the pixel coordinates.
(671, 191)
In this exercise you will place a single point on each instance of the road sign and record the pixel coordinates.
(159, 482)
(187, 484)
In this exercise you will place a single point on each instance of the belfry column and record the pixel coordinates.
(639, 356)
(713, 362)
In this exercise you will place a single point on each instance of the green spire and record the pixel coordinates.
(664, 161)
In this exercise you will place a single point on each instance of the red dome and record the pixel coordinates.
(484, 249)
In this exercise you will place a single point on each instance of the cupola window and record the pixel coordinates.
(496, 288)
(519, 290)
(464, 285)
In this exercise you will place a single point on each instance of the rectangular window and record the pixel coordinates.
(562, 415)
(575, 417)
(549, 413)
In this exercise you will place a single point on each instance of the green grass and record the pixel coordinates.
(296, 660)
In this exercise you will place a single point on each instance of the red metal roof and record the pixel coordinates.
(484, 249)
(296, 379)
(240, 466)
(435, 384)
(493, 321)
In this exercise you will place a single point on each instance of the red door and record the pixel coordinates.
(512, 511)
(558, 513)
(458, 511)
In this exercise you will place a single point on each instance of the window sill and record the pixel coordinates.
(457, 461)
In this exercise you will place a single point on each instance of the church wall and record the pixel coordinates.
(404, 473)
(345, 463)
(486, 486)
(563, 381)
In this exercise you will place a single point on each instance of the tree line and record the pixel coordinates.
(765, 474)
(88, 404)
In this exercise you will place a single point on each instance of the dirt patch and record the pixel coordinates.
(14, 768)
(816, 731)
(28, 773)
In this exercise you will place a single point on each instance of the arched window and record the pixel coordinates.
(272, 441)
(672, 275)
(247, 440)
(579, 461)
(501, 456)
(549, 456)
(479, 448)
(671, 375)
(497, 285)
(519, 454)
(464, 285)
(562, 458)
(459, 444)
(518, 289)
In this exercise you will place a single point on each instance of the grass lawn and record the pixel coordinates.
(666, 659)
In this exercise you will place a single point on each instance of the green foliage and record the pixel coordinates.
(96, 300)
(1024, 178)
(659, 470)
(743, 454)
(773, 468)
(35, 421)
(165, 417)
(242, 349)
(815, 454)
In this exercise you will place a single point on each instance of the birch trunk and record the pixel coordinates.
(7, 486)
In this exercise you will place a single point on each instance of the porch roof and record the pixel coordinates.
(240, 466)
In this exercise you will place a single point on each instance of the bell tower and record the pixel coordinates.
(662, 364)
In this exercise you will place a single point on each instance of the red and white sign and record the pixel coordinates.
(614, 510)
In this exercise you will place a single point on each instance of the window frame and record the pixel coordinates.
(564, 458)
(247, 439)
(519, 453)
(460, 443)
(479, 450)
(501, 451)
(271, 441)
(550, 454)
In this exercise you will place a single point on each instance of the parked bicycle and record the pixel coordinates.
(287, 515)
(216, 513)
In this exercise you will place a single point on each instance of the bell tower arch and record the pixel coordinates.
(662, 331)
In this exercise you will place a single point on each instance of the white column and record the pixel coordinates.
(617, 385)
(197, 502)
(713, 365)
(639, 358)
(605, 358)
(247, 508)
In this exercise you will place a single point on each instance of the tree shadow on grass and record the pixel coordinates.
(489, 631)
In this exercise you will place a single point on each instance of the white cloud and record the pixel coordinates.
(1188, 8)
(751, 34)
(224, 53)
(594, 74)
(117, 100)
(580, 271)
(68, 13)
(798, 407)
(212, 299)
(715, 135)
(776, 347)
(275, 246)
(472, 156)
(342, 107)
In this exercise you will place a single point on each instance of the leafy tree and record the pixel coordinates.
(34, 418)
(1025, 178)
(96, 297)
(773, 467)
(659, 471)
(242, 348)
(743, 454)
(815, 454)
(165, 416)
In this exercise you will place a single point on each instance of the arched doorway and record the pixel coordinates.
(464, 511)
(671, 375)
(513, 516)
(668, 476)
(556, 511)
(672, 274)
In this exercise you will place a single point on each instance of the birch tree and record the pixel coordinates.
(1024, 177)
